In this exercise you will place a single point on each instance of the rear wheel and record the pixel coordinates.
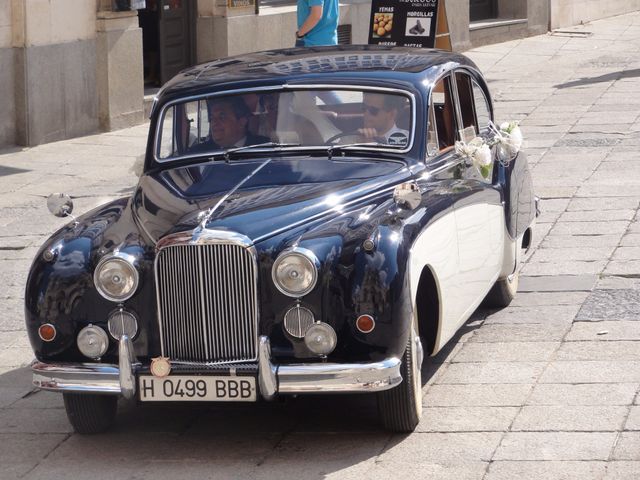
(400, 408)
(90, 413)
(503, 292)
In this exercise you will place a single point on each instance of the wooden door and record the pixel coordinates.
(176, 37)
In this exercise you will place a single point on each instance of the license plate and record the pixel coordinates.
(197, 388)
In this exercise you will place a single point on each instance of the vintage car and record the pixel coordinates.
(304, 223)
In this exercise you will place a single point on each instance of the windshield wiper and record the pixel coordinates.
(229, 151)
(359, 144)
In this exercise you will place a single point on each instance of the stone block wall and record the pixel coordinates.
(565, 13)
(7, 75)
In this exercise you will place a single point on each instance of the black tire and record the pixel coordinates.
(503, 292)
(400, 408)
(90, 413)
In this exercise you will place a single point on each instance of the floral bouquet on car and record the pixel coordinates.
(508, 140)
(479, 152)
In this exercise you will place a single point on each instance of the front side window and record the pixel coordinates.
(305, 118)
(444, 116)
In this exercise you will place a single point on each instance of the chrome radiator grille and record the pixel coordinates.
(207, 302)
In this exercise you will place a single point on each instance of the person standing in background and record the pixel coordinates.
(317, 23)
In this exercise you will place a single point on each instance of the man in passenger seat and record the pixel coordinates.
(381, 112)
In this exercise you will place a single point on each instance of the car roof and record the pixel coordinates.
(369, 63)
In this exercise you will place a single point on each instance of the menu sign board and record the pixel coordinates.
(406, 23)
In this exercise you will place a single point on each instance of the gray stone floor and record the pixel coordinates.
(547, 388)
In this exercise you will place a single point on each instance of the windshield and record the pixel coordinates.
(284, 119)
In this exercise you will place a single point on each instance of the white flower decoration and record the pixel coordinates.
(478, 152)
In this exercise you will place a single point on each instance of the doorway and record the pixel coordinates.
(168, 39)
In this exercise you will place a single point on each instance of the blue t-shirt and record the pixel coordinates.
(326, 31)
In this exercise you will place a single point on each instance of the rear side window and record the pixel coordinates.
(483, 113)
(474, 107)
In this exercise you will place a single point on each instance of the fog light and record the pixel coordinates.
(321, 339)
(93, 341)
(121, 323)
(365, 323)
(297, 321)
(47, 332)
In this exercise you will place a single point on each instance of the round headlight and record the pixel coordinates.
(116, 278)
(93, 341)
(295, 272)
(122, 323)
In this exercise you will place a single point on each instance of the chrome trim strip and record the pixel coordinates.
(126, 362)
(76, 377)
(285, 87)
(267, 377)
(339, 377)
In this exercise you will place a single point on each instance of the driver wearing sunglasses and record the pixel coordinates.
(380, 115)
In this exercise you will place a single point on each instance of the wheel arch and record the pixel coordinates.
(428, 309)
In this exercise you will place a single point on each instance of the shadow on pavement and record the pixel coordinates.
(295, 437)
(609, 77)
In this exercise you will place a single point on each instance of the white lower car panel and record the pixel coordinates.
(197, 388)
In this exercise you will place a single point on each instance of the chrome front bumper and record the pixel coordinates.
(272, 379)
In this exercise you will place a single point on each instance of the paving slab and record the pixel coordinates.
(556, 446)
(605, 331)
(530, 470)
(583, 394)
(476, 395)
(596, 371)
(557, 283)
(570, 418)
(633, 421)
(506, 352)
(611, 304)
(628, 447)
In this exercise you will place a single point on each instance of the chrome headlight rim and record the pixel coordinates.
(128, 260)
(307, 255)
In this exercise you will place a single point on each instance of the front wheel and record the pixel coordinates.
(90, 413)
(400, 408)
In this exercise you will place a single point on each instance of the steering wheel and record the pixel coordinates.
(353, 133)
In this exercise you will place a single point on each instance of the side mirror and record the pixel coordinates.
(407, 195)
(60, 204)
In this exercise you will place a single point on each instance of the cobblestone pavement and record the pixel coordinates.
(547, 388)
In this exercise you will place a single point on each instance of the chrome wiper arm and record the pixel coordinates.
(358, 144)
(229, 151)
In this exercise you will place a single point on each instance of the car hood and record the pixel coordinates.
(258, 198)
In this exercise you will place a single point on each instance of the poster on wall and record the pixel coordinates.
(406, 23)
